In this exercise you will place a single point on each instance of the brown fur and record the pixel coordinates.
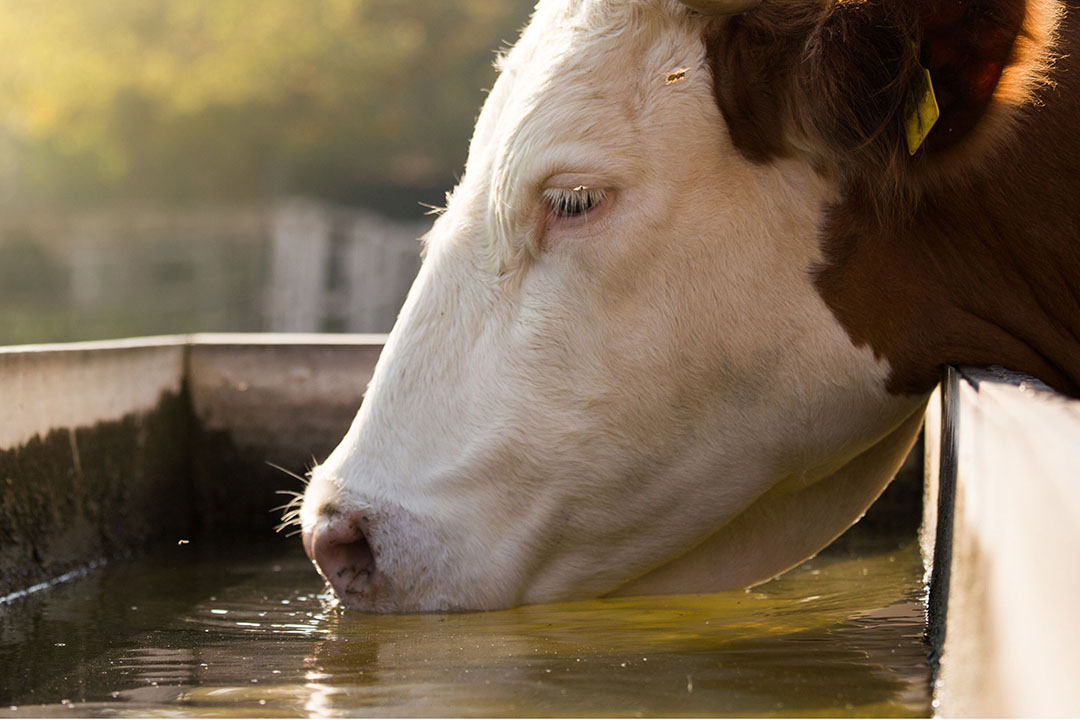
(968, 252)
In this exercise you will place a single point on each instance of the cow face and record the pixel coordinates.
(614, 372)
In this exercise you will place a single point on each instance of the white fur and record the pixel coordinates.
(561, 412)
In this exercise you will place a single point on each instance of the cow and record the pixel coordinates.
(678, 323)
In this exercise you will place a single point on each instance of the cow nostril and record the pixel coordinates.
(347, 563)
(342, 554)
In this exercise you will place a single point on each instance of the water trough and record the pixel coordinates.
(157, 445)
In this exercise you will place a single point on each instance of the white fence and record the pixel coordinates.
(297, 266)
(340, 270)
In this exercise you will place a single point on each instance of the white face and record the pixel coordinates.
(613, 353)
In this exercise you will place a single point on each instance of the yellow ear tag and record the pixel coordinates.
(920, 110)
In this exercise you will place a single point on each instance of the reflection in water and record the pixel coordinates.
(841, 635)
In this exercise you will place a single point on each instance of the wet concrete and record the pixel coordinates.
(197, 462)
(78, 495)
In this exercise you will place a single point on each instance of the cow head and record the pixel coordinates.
(616, 371)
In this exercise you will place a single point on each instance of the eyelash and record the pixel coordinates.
(576, 202)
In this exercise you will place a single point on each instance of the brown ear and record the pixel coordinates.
(966, 45)
(831, 77)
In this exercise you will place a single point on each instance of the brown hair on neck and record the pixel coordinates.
(968, 252)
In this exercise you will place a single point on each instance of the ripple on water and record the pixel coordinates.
(230, 635)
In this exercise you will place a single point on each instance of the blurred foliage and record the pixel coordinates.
(188, 100)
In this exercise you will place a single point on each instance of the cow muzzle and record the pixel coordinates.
(339, 547)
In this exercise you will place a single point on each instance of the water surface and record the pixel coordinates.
(244, 631)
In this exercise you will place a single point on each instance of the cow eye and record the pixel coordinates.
(573, 202)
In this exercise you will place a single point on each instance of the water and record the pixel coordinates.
(245, 632)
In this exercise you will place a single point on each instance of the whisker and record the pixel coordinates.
(432, 209)
(289, 524)
(291, 515)
(288, 472)
(284, 526)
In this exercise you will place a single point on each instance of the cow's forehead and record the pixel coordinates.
(594, 18)
(572, 40)
(572, 95)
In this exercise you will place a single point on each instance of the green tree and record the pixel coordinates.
(238, 99)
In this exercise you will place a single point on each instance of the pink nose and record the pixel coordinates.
(340, 551)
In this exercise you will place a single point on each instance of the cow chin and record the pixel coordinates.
(788, 524)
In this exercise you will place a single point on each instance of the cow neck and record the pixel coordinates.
(983, 270)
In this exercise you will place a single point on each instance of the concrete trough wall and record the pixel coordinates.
(1003, 495)
(106, 447)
